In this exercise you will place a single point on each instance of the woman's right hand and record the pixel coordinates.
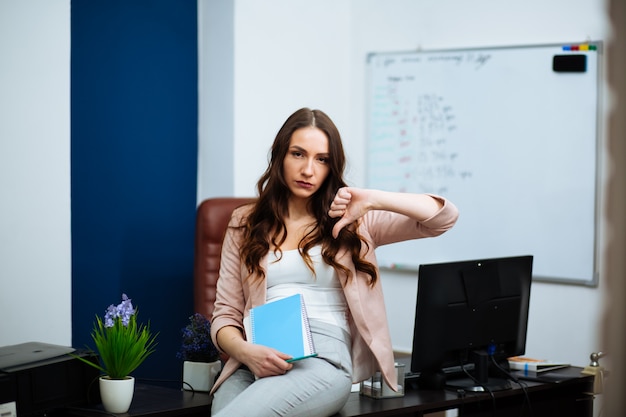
(264, 361)
(261, 360)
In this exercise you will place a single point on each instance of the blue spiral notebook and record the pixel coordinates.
(283, 325)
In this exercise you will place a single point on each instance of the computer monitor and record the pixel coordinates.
(470, 315)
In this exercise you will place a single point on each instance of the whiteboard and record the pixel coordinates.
(510, 141)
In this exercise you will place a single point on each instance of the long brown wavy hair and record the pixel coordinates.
(264, 224)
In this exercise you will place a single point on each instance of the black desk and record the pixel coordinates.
(570, 397)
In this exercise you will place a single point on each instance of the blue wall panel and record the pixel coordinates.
(134, 163)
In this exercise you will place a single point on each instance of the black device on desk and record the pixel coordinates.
(40, 377)
(470, 315)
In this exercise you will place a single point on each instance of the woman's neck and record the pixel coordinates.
(298, 223)
(298, 210)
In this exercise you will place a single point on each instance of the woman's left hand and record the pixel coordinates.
(350, 204)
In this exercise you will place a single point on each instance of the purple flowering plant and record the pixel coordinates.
(122, 344)
(197, 345)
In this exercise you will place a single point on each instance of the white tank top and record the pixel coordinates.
(323, 296)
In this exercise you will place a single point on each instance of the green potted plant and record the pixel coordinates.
(200, 357)
(122, 345)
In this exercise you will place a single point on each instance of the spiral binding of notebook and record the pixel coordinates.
(307, 328)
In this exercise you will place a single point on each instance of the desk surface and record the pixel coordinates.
(567, 394)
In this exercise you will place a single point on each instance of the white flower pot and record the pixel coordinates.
(200, 376)
(117, 394)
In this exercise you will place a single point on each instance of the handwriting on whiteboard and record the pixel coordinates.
(412, 137)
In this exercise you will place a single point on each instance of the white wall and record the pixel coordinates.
(35, 252)
(287, 54)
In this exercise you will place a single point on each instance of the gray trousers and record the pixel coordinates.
(316, 386)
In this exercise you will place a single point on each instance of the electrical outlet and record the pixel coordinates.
(8, 410)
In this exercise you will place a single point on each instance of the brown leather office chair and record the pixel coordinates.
(212, 219)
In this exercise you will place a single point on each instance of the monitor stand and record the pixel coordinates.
(469, 385)
(481, 380)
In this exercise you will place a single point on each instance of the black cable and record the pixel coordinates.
(522, 385)
(486, 388)
(193, 391)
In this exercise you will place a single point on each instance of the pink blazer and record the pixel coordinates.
(371, 343)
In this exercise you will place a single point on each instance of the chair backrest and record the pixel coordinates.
(212, 219)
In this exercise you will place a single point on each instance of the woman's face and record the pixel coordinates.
(305, 166)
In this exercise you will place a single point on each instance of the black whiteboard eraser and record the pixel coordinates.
(569, 63)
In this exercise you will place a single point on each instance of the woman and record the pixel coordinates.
(310, 233)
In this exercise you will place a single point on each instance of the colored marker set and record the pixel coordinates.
(582, 47)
